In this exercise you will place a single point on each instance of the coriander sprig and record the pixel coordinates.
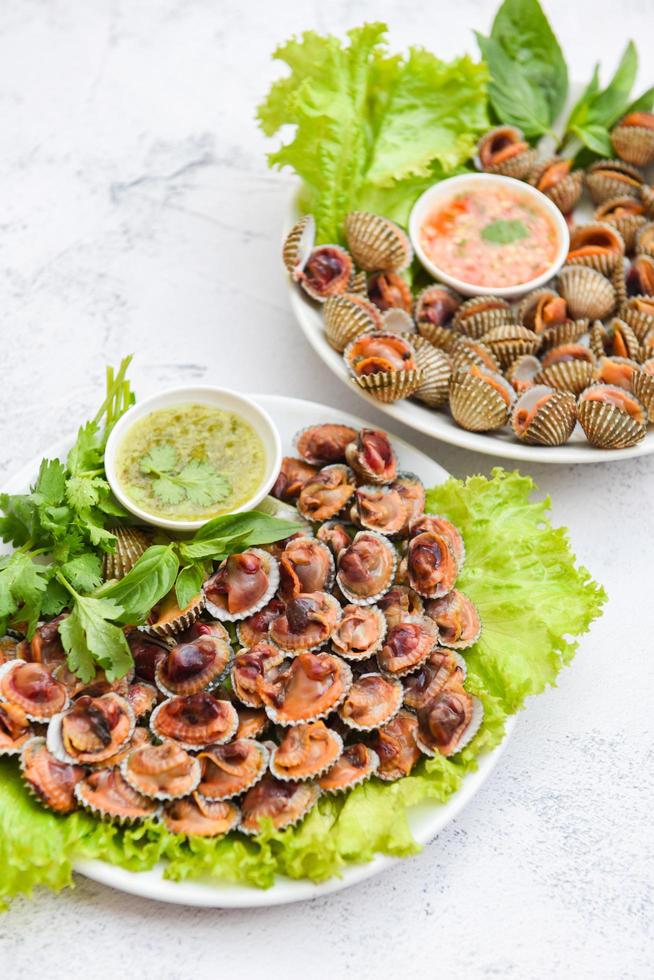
(198, 481)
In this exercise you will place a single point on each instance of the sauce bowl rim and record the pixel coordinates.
(212, 396)
(443, 189)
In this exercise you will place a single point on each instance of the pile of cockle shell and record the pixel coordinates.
(303, 667)
(580, 350)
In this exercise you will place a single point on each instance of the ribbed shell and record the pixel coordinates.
(619, 283)
(131, 543)
(647, 197)
(522, 372)
(399, 321)
(180, 622)
(553, 423)
(475, 405)
(466, 353)
(443, 337)
(437, 370)
(603, 180)
(527, 307)
(604, 262)
(345, 317)
(359, 283)
(480, 314)
(563, 333)
(607, 426)
(642, 385)
(634, 144)
(510, 341)
(377, 244)
(640, 322)
(565, 193)
(298, 244)
(572, 376)
(645, 238)
(629, 338)
(390, 386)
(587, 292)
(627, 224)
(519, 166)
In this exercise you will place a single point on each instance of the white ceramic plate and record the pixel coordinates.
(426, 820)
(439, 423)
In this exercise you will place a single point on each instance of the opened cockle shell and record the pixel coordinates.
(195, 816)
(195, 721)
(231, 769)
(325, 443)
(357, 763)
(618, 371)
(480, 400)
(503, 150)
(389, 290)
(618, 340)
(436, 372)
(15, 728)
(327, 272)
(640, 277)
(627, 214)
(522, 372)
(645, 239)
(444, 668)
(360, 632)
(347, 316)
(298, 245)
(448, 722)
(466, 352)
(243, 584)
(131, 543)
(167, 619)
(106, 794)
(434, 312)
(407, 645)
(480, 314)
(396, 746)
(509, 341)
(633, 138)
(324, 496)
(366, 568)
(568, 368)
(306, 751)
(556, 179)
(384, 365)
(587, 292)
(52, 782)
(282, 803)
(457, 618)
(371, 702)
(596, 244)
(161, 772)
(546, 313)
(642, 385)
(611, 417)
(606, 179)
(33, 688)
(400, 322)
(306, 623)
(544, 416)
(305, 688)
(372, 456)
(376, 243)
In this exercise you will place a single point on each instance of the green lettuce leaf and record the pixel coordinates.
(370, 125)
(533, 601)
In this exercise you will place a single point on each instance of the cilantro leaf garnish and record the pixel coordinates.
(503, 232)
(198, 481)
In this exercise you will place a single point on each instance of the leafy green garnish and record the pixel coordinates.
(528, 74)
(372, 130)
(92, 639)
(533, 601)
(197, 481)
(597, 110)
(502, 232)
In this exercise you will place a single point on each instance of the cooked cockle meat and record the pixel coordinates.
(192, 667)
(399, 602)
(14, 728)
(252, 630)
(366, 568)
(147, 651)
(431, 566)
(305, 688)
(305, 565)
(457, 619)
(195, 816)
(51, 781)
(195, 721)
(407, 645)
(379, 508)
(95, 687)
(293, 474)
(323, 444)
(371, 702)
(441, 669)
(250, 664)
(412, 492)
(252, 722)
(106, 793)
(305, 751)
(161, 772)
(45, 647)
(448, 722)
(32, 687)
(91, 730)
(325, 495)
(372, 456)
(306, 623)
(142, 697)
(140, 736)
(441, 525)
(231, 769)
(283, 803)
(357, 763)
(243, 584)
(396, 746)
(336, 535)
(360, 632)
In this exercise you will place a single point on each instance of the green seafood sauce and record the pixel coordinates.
(190, 462)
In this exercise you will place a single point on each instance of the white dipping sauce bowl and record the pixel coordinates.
(222, 398)
(447, 189)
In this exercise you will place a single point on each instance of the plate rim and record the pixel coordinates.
(489, 445)
(218, 894)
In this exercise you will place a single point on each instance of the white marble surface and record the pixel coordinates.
(137, 214)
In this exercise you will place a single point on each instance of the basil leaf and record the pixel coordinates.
(608, 106)
(514, 99)
(226, 535)
(596, 138)
(188, 584)
(504, 232)
(523, 32)
(644, 102)
(151, 578)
